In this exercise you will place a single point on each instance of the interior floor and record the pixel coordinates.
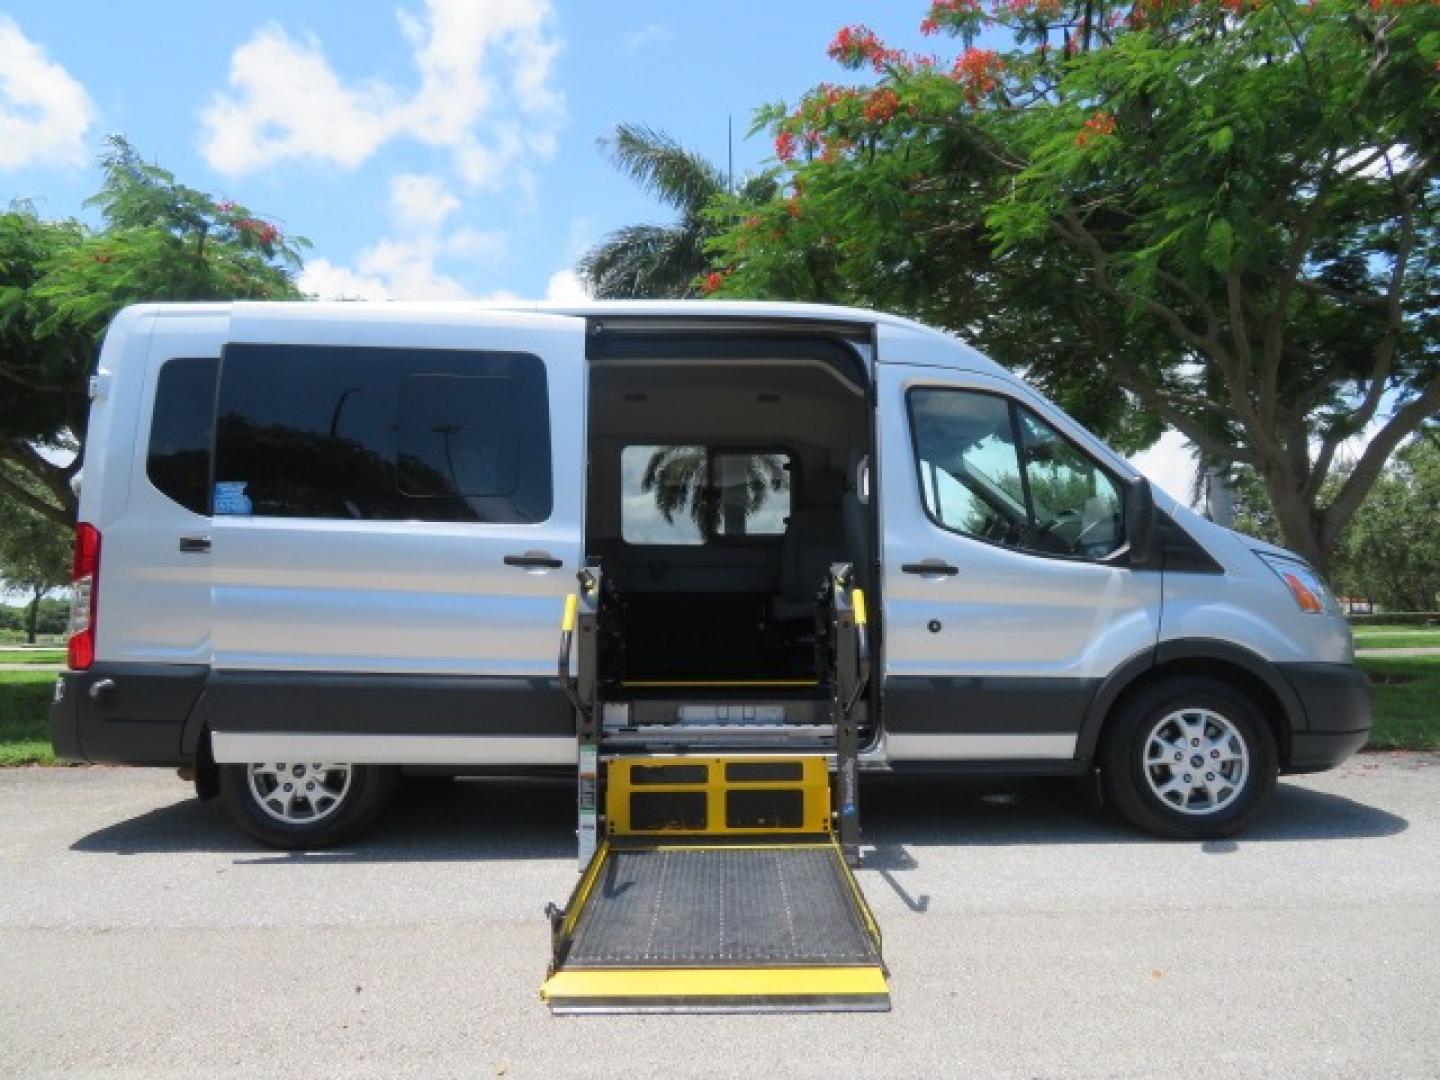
(721, 491)
(661, 635)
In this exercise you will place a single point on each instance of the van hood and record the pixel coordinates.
(1264, 547)
(1218, 539)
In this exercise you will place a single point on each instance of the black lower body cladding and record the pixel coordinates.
(985, 705)
(153, 714)
(308, 702)
(1338, 713)
(125, 714)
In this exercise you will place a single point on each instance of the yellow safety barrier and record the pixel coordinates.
(751, 796)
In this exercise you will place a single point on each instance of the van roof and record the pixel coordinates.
(944, 349)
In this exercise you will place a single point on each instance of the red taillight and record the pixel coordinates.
(85, 593)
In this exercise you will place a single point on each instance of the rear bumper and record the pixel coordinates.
(124, 714)
(1338, 714)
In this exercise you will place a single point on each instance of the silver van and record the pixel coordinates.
(322, 545)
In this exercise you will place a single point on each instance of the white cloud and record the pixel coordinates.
(290, 103)
(406, 270)
(1170, 465)
(485, 92)
(420, 202)
(565, 287)
(325, 280)
(44, 112)
(403, 268)
(650, 34)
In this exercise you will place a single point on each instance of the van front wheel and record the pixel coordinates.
(309, 804)
(1189, 758)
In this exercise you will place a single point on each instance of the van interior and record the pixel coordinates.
(722, 488)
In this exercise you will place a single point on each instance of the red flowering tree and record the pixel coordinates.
(1217, 215)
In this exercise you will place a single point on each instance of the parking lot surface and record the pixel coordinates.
(1026, 935)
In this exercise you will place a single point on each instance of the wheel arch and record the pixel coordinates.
(1233, 664)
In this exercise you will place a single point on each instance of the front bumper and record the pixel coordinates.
(1338, 714)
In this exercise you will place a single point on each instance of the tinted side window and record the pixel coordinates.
(994, 470)
(182, 429)
(383, 434)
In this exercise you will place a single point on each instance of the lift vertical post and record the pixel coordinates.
(852, 673)
(582, 613)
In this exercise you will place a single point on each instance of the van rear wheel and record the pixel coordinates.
(309, 804)
(1189, 758)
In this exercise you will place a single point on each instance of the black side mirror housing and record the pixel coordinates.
(1141, 521)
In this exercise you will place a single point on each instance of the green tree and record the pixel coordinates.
(1219, 215)
(34, 557)
(662, 261)
(61, 282)
(1392, 550)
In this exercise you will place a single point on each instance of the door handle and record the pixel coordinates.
(929, 567)
(534, 560)
(195, 545)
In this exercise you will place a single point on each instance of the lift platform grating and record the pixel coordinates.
(767, 906)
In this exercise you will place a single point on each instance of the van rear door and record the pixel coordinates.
(154, 517)
(397, 490)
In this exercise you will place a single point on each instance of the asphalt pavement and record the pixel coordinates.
(1026, 935)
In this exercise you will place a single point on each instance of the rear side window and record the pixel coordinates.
(687, 495)
(181, 431)
(383, 434)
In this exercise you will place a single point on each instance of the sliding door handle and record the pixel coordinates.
(930, 568)
(534, 560)
(195, 545)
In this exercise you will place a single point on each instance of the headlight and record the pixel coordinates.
(1304, 584)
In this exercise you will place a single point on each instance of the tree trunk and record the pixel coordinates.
(1298, 522)
(1219, 498)
(32, 614)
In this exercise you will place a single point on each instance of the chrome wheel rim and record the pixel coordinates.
(1196, 761)
(299, 793)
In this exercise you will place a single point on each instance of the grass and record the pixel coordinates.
(24, 724)
(1407, 709)
(32, 656)
(1407, 702)
(1380, 636)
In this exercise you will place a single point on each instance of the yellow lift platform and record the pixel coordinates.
(715, 882)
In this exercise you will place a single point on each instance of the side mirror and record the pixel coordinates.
(1141, 521)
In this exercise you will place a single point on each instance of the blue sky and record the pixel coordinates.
(427, 148)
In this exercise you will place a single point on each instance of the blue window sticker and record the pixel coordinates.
(230, 498)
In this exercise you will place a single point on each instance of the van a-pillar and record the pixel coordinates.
(715, 865)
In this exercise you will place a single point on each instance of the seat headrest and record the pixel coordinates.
(824, 488)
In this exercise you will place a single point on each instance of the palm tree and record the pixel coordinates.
(683, 479)
(661, 261)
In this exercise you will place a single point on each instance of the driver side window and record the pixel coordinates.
(992, 469)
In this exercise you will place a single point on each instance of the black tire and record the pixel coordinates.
(1127, 777)
(370, 789)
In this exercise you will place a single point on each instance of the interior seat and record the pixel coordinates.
(814, 539)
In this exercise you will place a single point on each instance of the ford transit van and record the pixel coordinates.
(320, 545)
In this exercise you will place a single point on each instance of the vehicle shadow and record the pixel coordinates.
(939, 812)
(437, 821)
